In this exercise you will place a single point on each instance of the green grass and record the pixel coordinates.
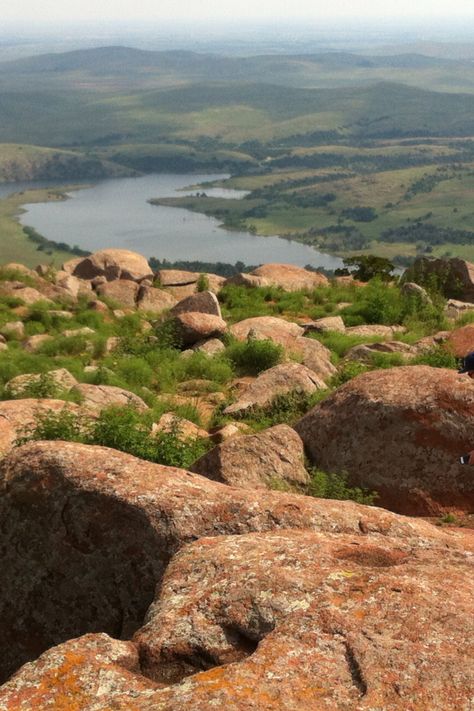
(14, 244)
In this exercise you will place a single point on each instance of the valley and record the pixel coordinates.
(341, 152)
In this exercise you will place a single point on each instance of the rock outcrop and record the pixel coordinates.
(281, 621)
(92, 673)
(192, 327)
(154, 300)
(365, 351)
(184, 429)
(289, 277)
(123, 291)
(98, 397)
(112, 264)
(460, 342)
(312, 353)
(328, 323)
(279, 380)
(454, 276)
(302, 620)
(27, 294)
(182, 284)
(401, 432)
(267, 328)
(204, 302)
(272, 458)
(88, 531)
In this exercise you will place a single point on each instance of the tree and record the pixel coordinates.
(367, 266)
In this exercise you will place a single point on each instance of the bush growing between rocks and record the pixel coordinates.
(121, 428)
(240, 302)
(202, 283)
(438, 358)
(379, 303)
(335, 486)
(253, 356)
(347, 371)
(284, 409)
(45, 387)
(64, 345)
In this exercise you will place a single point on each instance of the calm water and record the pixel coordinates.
(115, 213)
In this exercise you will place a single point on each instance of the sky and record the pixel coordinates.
(49, 11)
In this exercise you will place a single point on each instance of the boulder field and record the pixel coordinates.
(130, 585)
(401, 432)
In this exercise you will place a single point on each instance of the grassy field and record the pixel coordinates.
(423, 198)
(14, 244)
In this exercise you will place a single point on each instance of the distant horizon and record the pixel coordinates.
(240, 37)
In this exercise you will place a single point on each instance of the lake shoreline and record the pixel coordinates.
(114, 213)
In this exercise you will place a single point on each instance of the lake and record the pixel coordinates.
(115, 213)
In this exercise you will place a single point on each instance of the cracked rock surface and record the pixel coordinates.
(87, 533)
(283, 620)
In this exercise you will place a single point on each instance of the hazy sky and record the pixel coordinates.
(52, 10)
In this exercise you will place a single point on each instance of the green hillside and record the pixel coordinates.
(382, 138)
(20, 163)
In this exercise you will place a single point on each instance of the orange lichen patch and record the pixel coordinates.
(60, 682)
(372, 556)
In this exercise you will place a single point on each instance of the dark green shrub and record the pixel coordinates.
(65, 345)
(122, 428)
(64, 425)
(202, 283)
(254, 356)
(335, 486)
(437, 358)
(284, 409)
(134, 371)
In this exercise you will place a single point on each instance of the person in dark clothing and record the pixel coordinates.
(468, 368)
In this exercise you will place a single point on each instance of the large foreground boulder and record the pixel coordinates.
(113, 264)
(88, 531)
(298, 619)
(281, 621)
(272, 458)
(401, 432)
